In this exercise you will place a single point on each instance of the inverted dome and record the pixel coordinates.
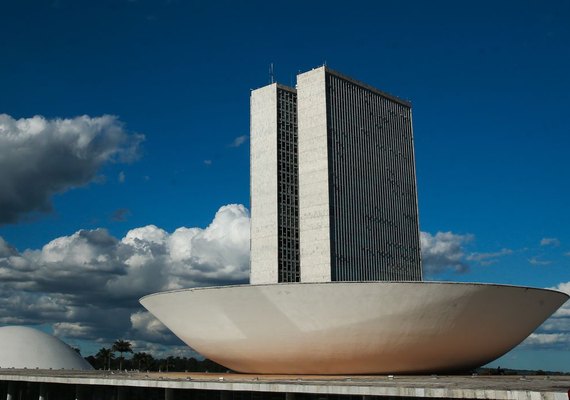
(23, 347)
(354, 327)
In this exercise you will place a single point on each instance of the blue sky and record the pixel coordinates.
(490, 90)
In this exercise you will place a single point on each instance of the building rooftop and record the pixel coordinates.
(459, 387)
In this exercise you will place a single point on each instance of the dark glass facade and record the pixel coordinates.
(288, 186)
(372, 185)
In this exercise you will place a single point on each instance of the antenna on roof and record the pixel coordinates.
(271, 74)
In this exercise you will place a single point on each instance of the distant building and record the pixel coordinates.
(333, 185)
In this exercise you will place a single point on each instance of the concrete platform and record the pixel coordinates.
(322, 387)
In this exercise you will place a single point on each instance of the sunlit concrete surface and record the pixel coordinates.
(354, 327)
(322, 387)
(263, 176)
(23, 347)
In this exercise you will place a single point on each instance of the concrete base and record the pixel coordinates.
(225, 386)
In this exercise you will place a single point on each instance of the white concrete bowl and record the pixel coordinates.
(354, 327)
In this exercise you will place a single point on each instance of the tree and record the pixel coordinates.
(105, 355)
(142, 361)
(169, 362)
(122, 346)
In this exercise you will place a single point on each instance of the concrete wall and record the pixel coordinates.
(59, 385)
(263, 191)
(314, 233)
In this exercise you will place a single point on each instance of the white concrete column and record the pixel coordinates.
(314, 210)
(289, 396)
(263, 189)
(168, 394)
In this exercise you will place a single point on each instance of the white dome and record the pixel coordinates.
(22, 347)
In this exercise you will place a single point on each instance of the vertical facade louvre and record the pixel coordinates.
(333, 193)
(373, 220)
(288, 186)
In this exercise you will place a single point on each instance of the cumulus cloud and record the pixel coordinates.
(548, 340)
(40, 157)
(150, 329)
(550, 242)
(5, 249)
(87, 285)
(443, 251)
(239, 141)
(161, 350)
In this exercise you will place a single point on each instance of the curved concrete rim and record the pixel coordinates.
(356, 282)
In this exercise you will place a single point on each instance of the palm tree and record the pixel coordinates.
(122, 346)
(106, 355)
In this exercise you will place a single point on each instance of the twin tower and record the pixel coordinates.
(333, 183)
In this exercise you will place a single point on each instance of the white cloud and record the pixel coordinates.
(564, 311)
(538, 261)
(550, 242)
(559, 322)
(40, 157)
(547, 339)
(207, 162)
(239, 141)
(563, 287)
(5, 249)
(161, 350)
(87, 285)
(121, 177)
(488, 258)
(72, 329)
(149, 329)
(443, 251)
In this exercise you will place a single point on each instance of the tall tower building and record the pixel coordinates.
(353, 214)
(357, 184)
